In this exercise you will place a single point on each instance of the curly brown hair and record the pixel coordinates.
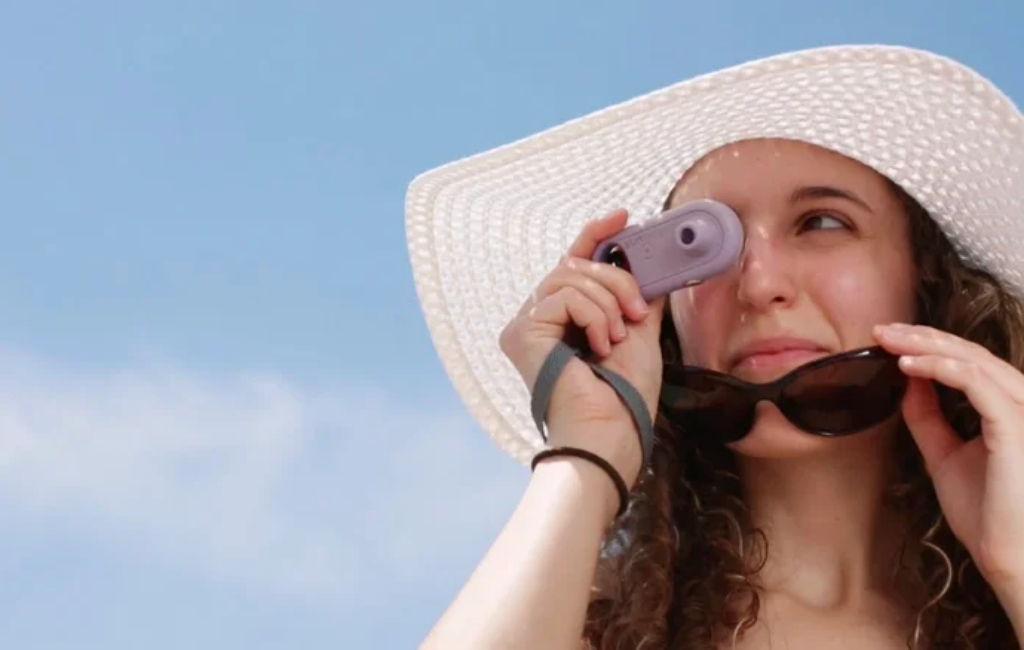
(679, 569)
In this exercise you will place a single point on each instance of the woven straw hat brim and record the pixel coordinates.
(484, 230)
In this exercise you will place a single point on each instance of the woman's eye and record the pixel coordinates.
(822, 221)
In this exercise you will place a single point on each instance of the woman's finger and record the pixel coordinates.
(921, 340)
(619, 284)
(596, 231)
(569, 305)
(927, 424)
(592, 289)
(1000, 414)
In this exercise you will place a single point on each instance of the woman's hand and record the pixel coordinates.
(622, 332)
(979, 483)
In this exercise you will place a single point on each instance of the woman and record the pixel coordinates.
(879, 193)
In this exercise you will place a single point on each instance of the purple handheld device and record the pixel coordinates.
(681, 248)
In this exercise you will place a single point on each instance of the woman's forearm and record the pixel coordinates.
(532, 588)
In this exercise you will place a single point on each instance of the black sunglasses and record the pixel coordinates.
(832, 396)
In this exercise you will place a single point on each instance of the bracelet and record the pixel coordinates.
(612, 473)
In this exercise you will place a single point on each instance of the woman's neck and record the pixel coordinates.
(831, 539)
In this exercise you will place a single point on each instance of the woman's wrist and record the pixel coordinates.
(582, 487)
(616, 441)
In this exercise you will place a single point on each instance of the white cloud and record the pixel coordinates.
(250, 477)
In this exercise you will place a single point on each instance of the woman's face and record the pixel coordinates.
(827, 257)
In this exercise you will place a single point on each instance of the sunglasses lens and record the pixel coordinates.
(705, 404)
(846, 396)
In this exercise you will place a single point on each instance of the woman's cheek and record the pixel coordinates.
(699, 314)
(856, 297)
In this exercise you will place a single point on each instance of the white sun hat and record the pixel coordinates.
(484, 230)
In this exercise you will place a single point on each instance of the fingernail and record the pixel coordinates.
(640, 305)
(890, 328)
(611, 215)
(618, 329)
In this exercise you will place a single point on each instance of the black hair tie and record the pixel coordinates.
(612, 473)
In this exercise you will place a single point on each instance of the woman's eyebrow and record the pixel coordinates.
(826, 192)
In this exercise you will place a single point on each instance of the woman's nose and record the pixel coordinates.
(765, 272)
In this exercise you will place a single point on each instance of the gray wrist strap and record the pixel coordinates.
(549, 373)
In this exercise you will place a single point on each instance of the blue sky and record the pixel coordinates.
(222, 424)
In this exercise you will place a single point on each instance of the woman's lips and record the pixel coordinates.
(775, 356)
(775, 360)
